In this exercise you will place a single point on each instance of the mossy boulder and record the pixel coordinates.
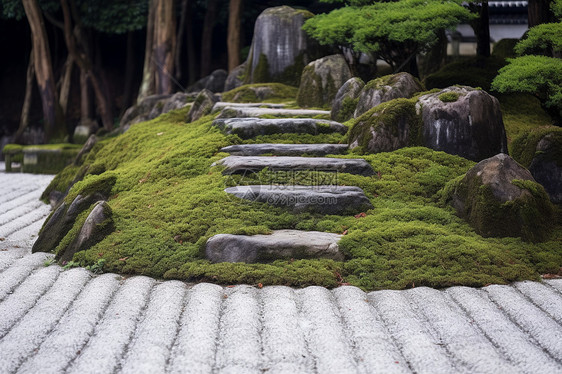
(346, 100)
(389, 87)
(387, 127)
(202, 105)
(235, 78)
(213, 82)
(280, 48)
(505, 48)
(499, 198)
(151, 107)
(260, 92)
(546, 165)
(321, 80)
(463, 121)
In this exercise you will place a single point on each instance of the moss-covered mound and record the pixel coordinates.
(260, 92)
(167, 200)
(472, 71)
(41, 159)
(524, 148)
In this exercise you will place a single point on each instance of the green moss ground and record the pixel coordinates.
(167, 201)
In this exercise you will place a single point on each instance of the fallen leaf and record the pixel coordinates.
(344, 233)
(123, 259)
(160, 133)
(360, 215)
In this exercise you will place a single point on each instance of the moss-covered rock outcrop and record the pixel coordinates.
(321, 80)
(260, 92)
(500, 198)
(280, 48)
(347, 97)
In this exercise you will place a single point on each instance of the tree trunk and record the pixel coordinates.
(191, 54)
(180, 36)
(147, 84)
(65, 85)
(233, 38)
(482, 30)
(207, 37)
(75, 47)
(164, 45)
(129, 73)
(24, 119)
(538, 12)
(86, 112)
(52, 115)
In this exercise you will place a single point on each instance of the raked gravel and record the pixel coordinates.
(55, 321)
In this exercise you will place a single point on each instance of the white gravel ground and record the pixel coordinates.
(54, 320)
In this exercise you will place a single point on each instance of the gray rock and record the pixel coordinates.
(234, 78)
(347, 97)
(281, 244)
(250, 127)
(285, 149)
(242, 164)
(222, 104)
(280, 48)
(84, 129)
(153, 106)
(245, 112)
(202, 105)
(213, 82)
(380, 90)
(499, 197)
(321, 80)
(97, 224)
(546, 166)
(316, 199)
(471, 126)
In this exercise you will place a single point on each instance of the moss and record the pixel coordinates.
(386, 115)
(449, 97)
(523, 149)
(247, 93)
(261, 72)
(505, 48)
(167, 201)
(348, 107)
(12, 149)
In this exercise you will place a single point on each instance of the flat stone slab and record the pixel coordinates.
(316, 199)
(242, 112)
(247, 128)
(243, 164)
(224, 104)
(285, 149)
(280, 244)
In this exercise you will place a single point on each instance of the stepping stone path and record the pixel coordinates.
(319, 199)
(316, 199)
(245, 112)
(247, 128)
(285, 149)
(222, 104)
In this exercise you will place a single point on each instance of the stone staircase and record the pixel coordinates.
(320, 199)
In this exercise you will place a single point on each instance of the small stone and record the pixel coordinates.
(285, 149)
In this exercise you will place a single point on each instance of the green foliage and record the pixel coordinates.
(449, 97)
(543, 39)
(523, 148)
(556, 7)
(537, 75)
(505, 48)
(472, 71)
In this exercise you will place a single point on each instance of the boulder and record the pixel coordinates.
(213, 82)
(463, 121)
(321, 80)
(280, 48)
(380, 90)
(202, 105)
(97, 225)
(499, 198)
(387, 127)
(546, 166)
(281, 244)
(151, 107)
(85, 128)
(247, 128)
(347, 97)
(235, 78)
(253, 93)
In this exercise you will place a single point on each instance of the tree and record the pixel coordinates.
(395, 31)
(233, 38)
(207, 37)
(537, 71)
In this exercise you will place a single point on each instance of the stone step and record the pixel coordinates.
(245, 164)
(285, 149)
(247, 128)
(225, 104)
(280, 244)
(316, 199)
(242, 112)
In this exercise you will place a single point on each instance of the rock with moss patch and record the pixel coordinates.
(389, 87)
(347, 97)
(202, 105)
(387, 127)
(280, 48)
(151, 107)
(546, 166)
(252, 93)
(97, 225)
(500, 198)
(321, 80)
(85, 128)
(471, 126)
(213, 82)
(235, 78)
(247, 128)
